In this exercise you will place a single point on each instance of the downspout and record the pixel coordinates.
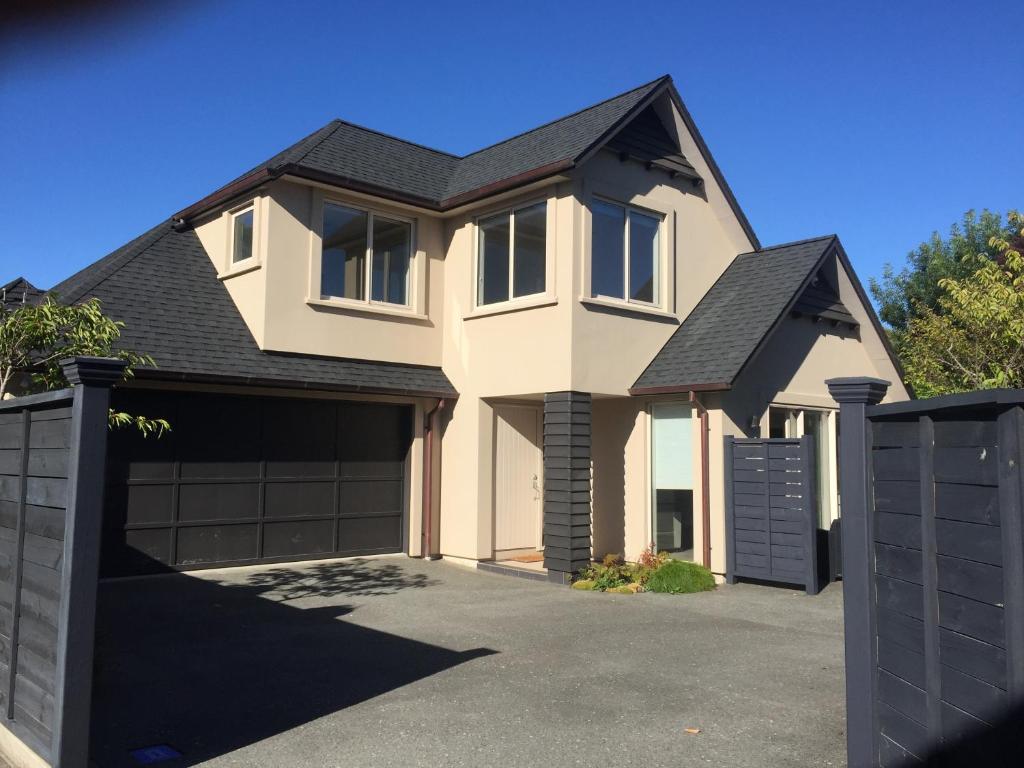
(430, 425)
(705, 482)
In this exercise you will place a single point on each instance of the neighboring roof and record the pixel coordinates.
(164, 287)
(17, 292)
(712, 346)
(348, 155)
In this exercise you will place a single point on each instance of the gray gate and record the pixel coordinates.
(771, 511)
(52, 451)
(933, 569)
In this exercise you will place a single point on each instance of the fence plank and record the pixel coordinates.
(929, 579)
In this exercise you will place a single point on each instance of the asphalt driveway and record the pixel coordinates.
(398, 662)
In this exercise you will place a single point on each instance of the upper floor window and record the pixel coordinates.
(625, 253)
(362, 249)
(511, 254)
(241, 234)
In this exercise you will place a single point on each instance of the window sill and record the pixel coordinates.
(361, 307)
(530, 302)
(628, 308)
(241, 268)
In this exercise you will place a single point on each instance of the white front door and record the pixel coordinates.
(517, 478)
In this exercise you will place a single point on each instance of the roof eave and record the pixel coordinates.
(681, 389)
(169, 376)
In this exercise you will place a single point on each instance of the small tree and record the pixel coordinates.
(34, 338)
(974, 337)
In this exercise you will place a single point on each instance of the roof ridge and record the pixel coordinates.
(790, 244)
(335, 122)
(566, 117)
(392, 136)
(105, 269)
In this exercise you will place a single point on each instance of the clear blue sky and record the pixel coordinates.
(879, 121)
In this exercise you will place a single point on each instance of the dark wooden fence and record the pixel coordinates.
(933, 569)
(772, 511)
(52, 449)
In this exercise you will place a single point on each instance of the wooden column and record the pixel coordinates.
(853, 396)
(92, 379)
(566, 484)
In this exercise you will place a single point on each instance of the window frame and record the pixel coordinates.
(478, 274)
(230, 267)
(367, 302)
(659, 282)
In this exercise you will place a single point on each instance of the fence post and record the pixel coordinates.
(1011, 512)
(92, 378)
(809, 493)
(730, 514)
(853, 396)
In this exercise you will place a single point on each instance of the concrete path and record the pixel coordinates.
(398, 662)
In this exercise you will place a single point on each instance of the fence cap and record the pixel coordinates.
(857, 389)
(93, 371)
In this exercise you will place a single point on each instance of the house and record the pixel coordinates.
(17, 292)
(365, 345)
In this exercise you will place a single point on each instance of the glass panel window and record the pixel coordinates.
(512, 255)
(608, 250)
(242, 236)
(643, 257)
(495, 235)
(389, 281)
(672, 481)
(625, 253)
(530, 241)
(343, 264)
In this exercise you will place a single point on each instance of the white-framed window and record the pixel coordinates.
(512, 254)
(365, 256)
(625, 253)
(242, 227)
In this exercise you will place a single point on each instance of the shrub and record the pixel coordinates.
(678, 577)
(583, 584)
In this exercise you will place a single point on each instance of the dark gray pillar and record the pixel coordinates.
(92, 379)
(853, 396)
(566, 483)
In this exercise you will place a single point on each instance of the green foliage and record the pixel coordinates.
(613, 574)
(584, 584)
(904, 295)
(974, 337)
(678, 577)
(34, 338)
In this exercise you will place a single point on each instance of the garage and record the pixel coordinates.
(250, 479)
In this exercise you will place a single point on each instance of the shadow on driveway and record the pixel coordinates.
(208, 667)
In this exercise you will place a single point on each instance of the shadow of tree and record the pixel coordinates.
(361, 577)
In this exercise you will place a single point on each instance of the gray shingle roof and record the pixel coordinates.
(724, 330)
(17, 292)
(165, 289)
(350, 154)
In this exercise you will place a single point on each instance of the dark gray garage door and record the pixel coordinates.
(253, 479)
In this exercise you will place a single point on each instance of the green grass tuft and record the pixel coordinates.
(587, 584)
(677, 577)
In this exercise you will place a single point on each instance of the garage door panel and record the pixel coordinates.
(294, 538)
(249, 478)
(370, 534)
(216, 544)
(299, 499)
(145, 546)
(149, 504)
(218, 501)
(372, 497)
(311, 456)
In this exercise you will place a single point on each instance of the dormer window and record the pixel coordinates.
(362, 249)
(241, 234)
(625, 253)
(512, 255)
